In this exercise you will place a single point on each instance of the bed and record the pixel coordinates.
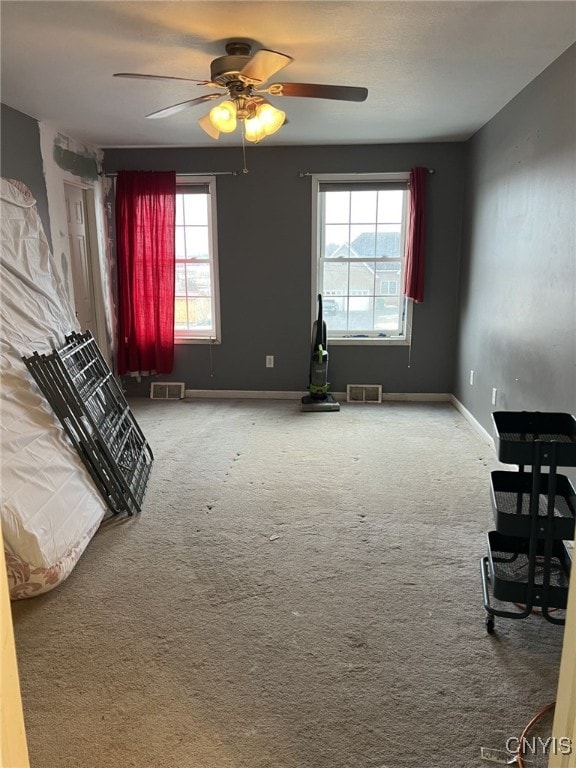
(50, 508)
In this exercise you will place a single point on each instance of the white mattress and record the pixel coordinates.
(50, 507)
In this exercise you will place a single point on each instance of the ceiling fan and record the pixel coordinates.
(241, 77)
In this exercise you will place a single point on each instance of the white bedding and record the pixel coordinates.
(50, 507)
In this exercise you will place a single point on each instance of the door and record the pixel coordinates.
(13, 747)
(80, 262)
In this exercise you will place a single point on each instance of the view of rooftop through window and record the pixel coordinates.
(361, 258)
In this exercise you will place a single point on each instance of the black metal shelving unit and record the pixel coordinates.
(85, 396)
(534, 511)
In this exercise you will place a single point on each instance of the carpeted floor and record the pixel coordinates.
(300, 591)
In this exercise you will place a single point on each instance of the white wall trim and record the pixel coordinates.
(417, 397)
(484, 434)
(244, 394)
(240, 394)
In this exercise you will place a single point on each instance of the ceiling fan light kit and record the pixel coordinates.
(260, 118)
(272, 119)
(241, 76)
(223, 117)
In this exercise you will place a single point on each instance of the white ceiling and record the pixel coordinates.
(435, 71)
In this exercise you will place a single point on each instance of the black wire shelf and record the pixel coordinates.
(86, 398)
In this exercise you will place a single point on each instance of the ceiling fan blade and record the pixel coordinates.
(317, 91)
(138, 76)
(167, 111)
(263, 65)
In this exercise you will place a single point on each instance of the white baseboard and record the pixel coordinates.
(485, 435)
(245, 394)
(417, 397)
(240, 394)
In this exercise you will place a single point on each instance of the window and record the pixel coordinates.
(196, 303)
(361, 229)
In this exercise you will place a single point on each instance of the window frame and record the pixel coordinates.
(347, 338)
(213, 336)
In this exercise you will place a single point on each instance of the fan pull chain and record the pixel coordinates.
(244, 169)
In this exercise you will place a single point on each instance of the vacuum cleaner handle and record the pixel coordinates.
(319, 325)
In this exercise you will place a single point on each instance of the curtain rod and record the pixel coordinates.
(206, 173)
(302, 174)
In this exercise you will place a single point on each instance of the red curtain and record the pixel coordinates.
(416, 236)
(145, 237)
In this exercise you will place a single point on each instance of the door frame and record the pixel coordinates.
(93, 261)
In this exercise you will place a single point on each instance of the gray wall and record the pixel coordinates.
(517, 317)
(21, 159)
(264, 247)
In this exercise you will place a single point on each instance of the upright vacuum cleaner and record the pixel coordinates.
(319, 398)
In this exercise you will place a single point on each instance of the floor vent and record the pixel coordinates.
(167, 390)
(364, 393)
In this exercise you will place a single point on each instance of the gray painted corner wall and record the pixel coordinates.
(264, 252)
(21, 158)
(500, 280)
(517, 314)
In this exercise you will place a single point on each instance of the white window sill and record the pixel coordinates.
(195, 340)
(340, 341)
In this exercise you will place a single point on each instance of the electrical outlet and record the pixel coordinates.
(494, 395)
(269, 361)
(471, 378)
